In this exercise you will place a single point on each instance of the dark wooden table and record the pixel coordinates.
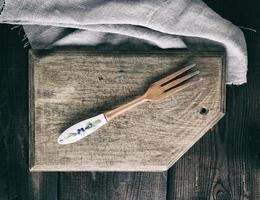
(224, 164)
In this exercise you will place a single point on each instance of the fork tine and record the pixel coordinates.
(179, 80)
(179, 88)
(171, 76)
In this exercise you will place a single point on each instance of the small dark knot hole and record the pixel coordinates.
(204, 110)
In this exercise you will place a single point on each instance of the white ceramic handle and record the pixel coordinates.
(82, 129)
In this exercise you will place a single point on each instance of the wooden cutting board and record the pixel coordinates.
(69, 86)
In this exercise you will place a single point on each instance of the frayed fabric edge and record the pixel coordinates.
(237, 83)
(2, 5)
(242, 81)
(25, 39)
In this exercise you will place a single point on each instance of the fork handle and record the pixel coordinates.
(125, 107)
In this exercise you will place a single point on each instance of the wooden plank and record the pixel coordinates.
(245, 143)
(224, 164)
(44, 186)
(193, 176)
(110, 185)
(13, 117)
(3, 126)
(68, 87)
(3, 171)
(16, 182)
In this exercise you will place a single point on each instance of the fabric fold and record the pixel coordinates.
(149, 23)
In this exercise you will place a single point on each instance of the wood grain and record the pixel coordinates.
(43, 185)
(224, 164)
(240, 133)
(158, 91)
(13, 120)
(110, 185)
(67, 87)
(16, 182)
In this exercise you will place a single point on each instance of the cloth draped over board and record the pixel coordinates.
(133, 25)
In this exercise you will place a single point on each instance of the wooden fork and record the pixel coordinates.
(157, 91)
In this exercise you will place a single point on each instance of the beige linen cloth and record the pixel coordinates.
(129, 24)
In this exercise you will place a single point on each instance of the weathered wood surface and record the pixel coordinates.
(111, 185)
(223, 164)
(16, 182)
(70, 86)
